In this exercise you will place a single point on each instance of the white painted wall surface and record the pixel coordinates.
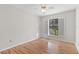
(77, 28)
(17, 26)
(69, 25)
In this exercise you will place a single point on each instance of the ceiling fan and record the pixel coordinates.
(45, 7)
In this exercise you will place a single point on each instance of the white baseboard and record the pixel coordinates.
(59, 38)
(19, 44)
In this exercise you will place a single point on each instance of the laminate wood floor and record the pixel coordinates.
(43, 46)
(60, 47)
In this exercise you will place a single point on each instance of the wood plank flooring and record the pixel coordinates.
(43, 46)
(60, 47)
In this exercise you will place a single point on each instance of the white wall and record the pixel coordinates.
(77, 28)
(69, 25)
(16, 26)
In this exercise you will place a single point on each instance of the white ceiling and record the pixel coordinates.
(52, 8)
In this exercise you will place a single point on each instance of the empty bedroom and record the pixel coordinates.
(39, 28)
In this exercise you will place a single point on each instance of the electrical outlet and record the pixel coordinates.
(10, 41)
